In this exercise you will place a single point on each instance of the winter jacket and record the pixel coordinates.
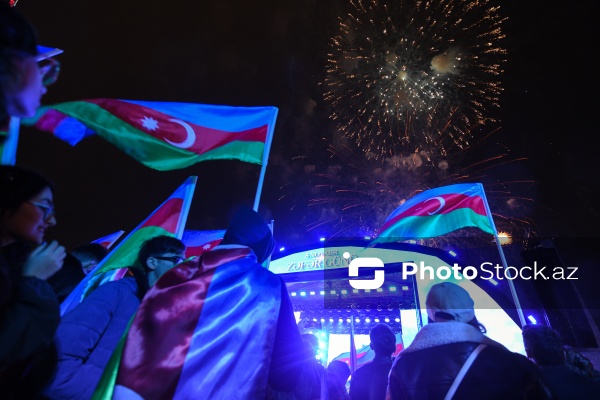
(369, 382)
(426, 369)
(29, 316)
(87, 336)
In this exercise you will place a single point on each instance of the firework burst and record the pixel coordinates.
(354, 195)
(412, 75)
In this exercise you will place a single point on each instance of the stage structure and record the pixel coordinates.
(317, 278)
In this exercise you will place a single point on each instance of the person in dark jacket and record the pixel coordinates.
(88, 334)
(544, 346)
(29, 309)
(228, 332)
(370, 381)
(428, 367)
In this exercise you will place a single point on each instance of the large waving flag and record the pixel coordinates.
(366, 354)
(439, 211)
(197, 242)
(108, 240)
(161, 135)
(168, 219)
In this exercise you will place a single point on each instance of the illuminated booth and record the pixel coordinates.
(317, 279)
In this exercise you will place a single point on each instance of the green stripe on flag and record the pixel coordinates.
(106, 385)
(423, 227)
(126, 255)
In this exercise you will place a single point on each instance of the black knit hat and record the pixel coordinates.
(247, 228)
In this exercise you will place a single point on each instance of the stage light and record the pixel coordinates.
(493, 282)
(376, 319)
(405, 288)
(357, 320)
(312, 293)
(368, 320)
(387, 320)
(397, 320)
(392, 288)
(281, 248)
(452, 253)
(322, 239)
(302, 293)
(530, 318)
(322, 293)
(293, 294)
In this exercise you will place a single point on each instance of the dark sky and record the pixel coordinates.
(273, 53)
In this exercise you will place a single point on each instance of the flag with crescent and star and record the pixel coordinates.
(197, 242)
(168, 219)
(163, 135)
(438, 211)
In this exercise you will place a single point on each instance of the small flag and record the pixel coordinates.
(109, 240)
(438, 211)
(168, 219)
(164, 136)
(197, 242)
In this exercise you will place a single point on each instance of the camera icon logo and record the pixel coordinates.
(365, 262)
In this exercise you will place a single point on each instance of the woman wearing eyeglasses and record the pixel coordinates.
(29, 308)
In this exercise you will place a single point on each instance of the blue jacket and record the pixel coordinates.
(87, 336)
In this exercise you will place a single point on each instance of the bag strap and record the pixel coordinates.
(463, 371)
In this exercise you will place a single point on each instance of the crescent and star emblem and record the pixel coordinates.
(190, 137)
(442, 204)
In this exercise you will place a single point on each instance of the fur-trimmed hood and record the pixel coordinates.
(440, 333)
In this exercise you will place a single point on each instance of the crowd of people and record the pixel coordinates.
(220, 326)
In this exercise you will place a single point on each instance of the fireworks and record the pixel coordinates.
(353, 195)
(413, 75)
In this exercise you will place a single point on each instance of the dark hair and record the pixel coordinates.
(247, 228)
(90, 252)
(383, 340)
(17, 39)
(543, 344)
(157, 246)
(339, 368)
(18, 185)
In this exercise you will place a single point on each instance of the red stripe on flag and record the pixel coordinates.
(165, 327)
(166, 216)
(434, 206)
(174, 130)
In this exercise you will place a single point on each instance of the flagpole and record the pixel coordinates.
(352, 346)
(503, 258)
(266, 150)
(185, 209)
(9, 151)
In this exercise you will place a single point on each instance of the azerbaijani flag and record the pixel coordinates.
(439, 211)
(161, 135)
(108, 240)
(232, 327)
(168, 219)
(197, 242)
(366, 354)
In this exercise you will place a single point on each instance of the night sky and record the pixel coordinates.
(273, 53)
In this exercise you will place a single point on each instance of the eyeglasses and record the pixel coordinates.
(49, 68)
(173, 259)
(48, 210)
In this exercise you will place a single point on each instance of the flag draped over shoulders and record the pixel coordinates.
(168, 219)
(438, 211)
(164, 135)
(204, 331)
